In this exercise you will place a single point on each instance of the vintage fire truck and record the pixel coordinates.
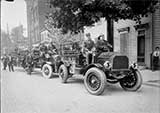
(106, 67)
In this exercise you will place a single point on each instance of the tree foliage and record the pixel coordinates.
(57, 36)
(73, 15)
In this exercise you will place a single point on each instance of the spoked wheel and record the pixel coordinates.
(132, 82)
(71, 71)
(47, 71)
(95, 81)
(63, 73)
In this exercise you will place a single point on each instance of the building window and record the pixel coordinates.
(141, 46)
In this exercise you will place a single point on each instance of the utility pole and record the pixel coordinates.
(110, 30)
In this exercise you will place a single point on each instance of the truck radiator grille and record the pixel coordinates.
(120, 62)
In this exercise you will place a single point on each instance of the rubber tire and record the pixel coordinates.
(50, 71)
(65, 71)
(137, 85)
(100, 74)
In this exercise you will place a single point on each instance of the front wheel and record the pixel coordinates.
(95, 81)
(47, 71)
(63, 73)
(132, 82)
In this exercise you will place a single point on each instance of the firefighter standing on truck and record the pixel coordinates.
(88, 46)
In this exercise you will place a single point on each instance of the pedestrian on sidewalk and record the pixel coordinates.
(156, 56)
(10, 63)
(5, 61)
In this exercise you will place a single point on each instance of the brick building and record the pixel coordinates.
(36, 12)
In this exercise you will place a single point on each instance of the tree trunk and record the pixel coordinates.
(110, 32)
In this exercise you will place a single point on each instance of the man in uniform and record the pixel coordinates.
(43, 50)
(156, 55)
(88, 46)
(5, 61)
(29, 62)
(52, 48)
(99, 45)
(106, 44)
(10, 63)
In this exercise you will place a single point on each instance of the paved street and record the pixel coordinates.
(22, 93)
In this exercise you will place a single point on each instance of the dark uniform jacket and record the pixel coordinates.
(89, 44)
(10, 60)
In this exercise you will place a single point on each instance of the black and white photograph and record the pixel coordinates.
(80, 56)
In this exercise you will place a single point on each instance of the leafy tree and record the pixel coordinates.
(57, 35)
(73, 15)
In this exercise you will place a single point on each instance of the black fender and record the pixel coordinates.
(49, 63)
(59, 64)
(42, 64)
(97, 65)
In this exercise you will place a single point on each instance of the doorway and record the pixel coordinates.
(141, 47)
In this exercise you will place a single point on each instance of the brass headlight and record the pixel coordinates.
(107, 65)
(134, 65)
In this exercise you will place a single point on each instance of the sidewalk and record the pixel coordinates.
(151, 78)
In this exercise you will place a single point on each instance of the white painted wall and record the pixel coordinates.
(98, 29)
(133, 38)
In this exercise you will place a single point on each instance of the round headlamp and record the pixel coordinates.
(134, 65)
(107, 65)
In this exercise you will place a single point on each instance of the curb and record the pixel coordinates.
(152, 84)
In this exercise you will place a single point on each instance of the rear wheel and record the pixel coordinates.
(132, 82)
(63, 73)
(95, 81)
(47, 71)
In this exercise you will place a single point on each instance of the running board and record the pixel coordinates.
(55, 74)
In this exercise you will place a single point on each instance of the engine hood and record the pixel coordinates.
(107, 56)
